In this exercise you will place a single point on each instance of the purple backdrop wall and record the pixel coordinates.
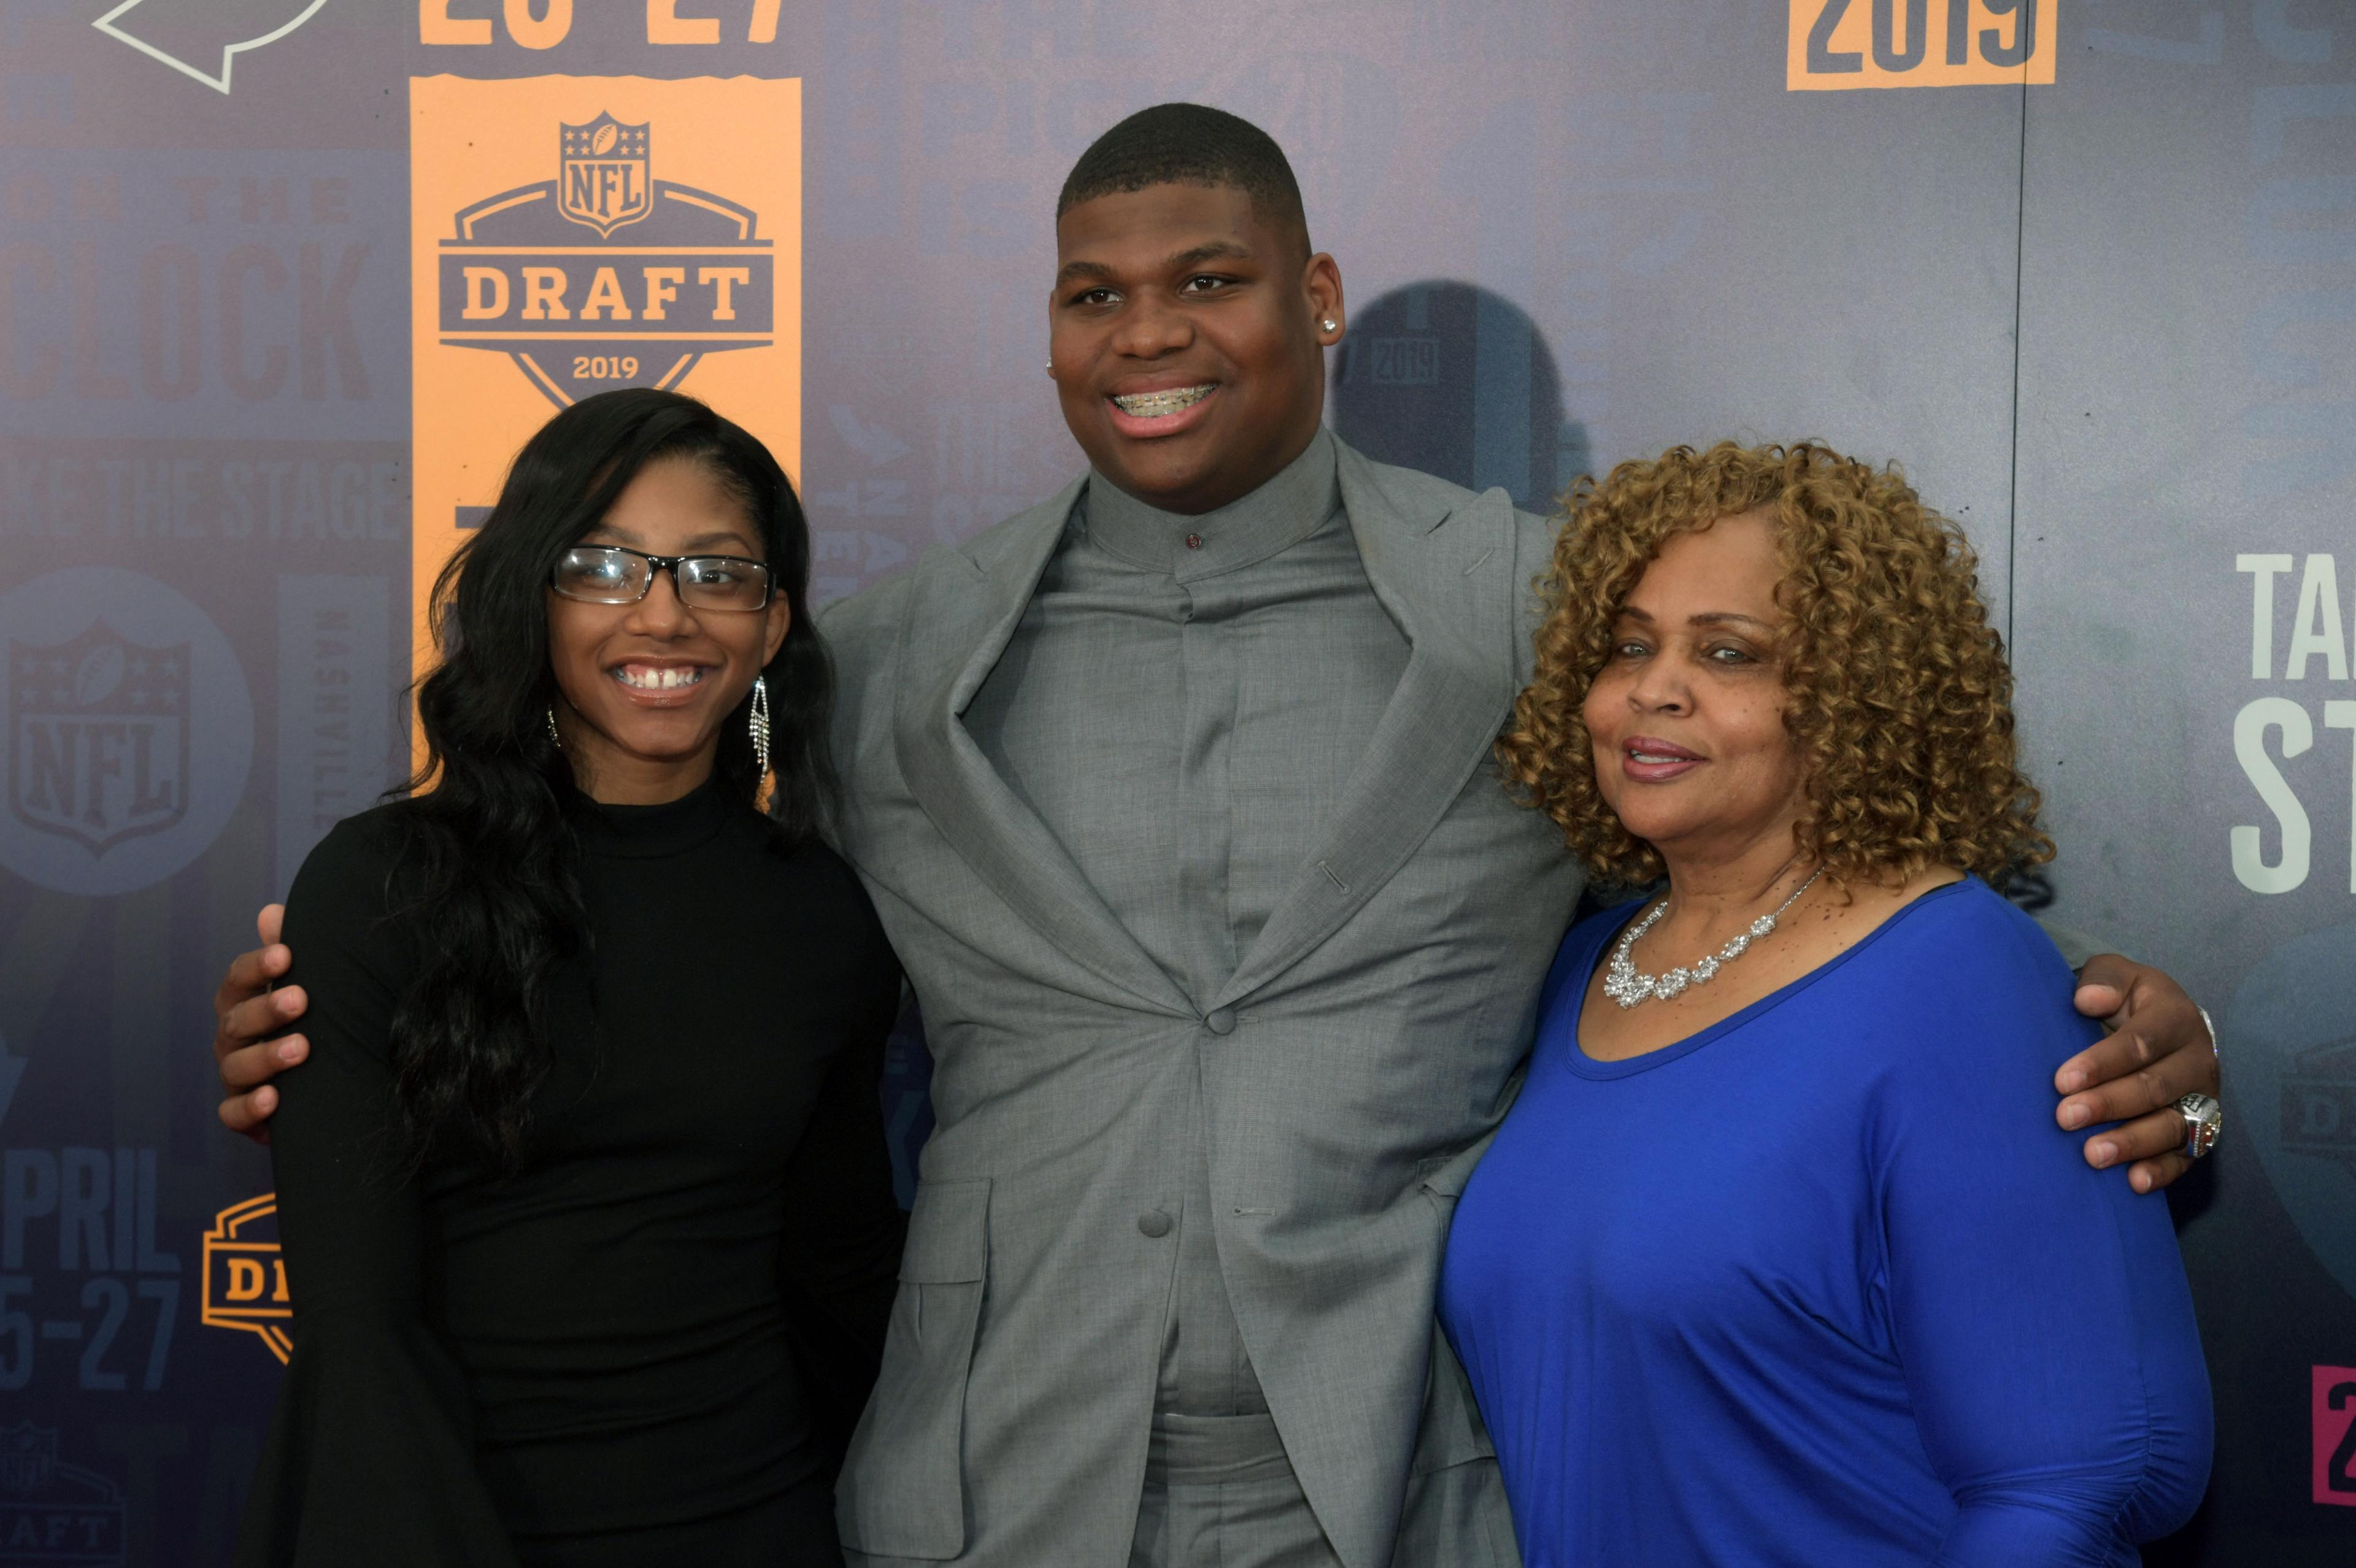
(2106, 322)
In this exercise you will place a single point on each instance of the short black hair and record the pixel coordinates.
(1188, 143)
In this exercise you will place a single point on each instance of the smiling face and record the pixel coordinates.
(1686, 715)
(646, 686)
(1186, 339)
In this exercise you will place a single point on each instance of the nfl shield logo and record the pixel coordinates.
(98, 745)
(602, 180)
(29, 1460)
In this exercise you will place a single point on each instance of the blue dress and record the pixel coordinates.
(1824, 1283)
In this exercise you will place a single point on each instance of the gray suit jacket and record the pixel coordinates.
(1352, 1069)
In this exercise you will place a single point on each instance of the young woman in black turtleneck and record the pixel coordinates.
(587, 1210)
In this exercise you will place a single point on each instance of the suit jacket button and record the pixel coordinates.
(1154, 1223)
(1221, 1022)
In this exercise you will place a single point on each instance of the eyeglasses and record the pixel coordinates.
(609, 574)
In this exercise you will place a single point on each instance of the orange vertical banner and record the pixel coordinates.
(571, 235)
(1836, 45)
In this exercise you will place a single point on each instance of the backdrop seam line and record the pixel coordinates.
(2019, 286)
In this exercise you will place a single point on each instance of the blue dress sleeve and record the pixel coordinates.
(2038, 1306)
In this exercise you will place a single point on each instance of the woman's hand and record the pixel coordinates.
(246, 1014)
(2160, 1049)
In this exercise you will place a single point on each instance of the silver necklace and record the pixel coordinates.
(1625, 986)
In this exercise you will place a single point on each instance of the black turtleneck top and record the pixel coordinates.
(647, 1346)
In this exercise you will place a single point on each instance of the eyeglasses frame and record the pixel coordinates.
(671, 563)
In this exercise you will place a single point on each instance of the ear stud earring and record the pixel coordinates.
(1330, 324)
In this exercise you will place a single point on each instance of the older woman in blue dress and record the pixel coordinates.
(1767, 682)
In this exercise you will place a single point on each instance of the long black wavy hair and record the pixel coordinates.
(488, 867)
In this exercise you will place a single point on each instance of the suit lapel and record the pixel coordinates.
(963, 610)
(1447, 579)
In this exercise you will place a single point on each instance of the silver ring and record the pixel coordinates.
(2204, 1118)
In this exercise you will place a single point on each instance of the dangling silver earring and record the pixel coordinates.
(759, 724)
(554, 738)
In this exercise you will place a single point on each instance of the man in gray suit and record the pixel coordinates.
(1175, 797)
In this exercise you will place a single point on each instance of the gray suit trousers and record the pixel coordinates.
(1244, 1508)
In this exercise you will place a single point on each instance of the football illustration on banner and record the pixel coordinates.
(128, 730)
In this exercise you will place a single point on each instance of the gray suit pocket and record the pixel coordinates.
(903, 1491)
(1442, 1177)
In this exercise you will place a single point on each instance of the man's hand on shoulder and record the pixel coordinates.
(246, 1014)
(2159, 1050)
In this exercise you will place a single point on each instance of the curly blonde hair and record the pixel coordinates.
(1898, 696)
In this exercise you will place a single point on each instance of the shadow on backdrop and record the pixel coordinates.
(1458, 382)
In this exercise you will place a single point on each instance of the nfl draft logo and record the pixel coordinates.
(2292, 1061)
(52, 1512)
(29, 1460)
(100, 737)
(604, 174)
(2318, 1102)
(245, 1276)
(605, 276)
(127, 730)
